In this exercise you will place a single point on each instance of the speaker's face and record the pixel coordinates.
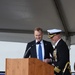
(38, 35)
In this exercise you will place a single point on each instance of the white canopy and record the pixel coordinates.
(22, 16)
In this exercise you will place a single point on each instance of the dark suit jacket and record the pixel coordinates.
(31, 46)
(62, 56)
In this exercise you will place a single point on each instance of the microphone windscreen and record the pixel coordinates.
(38, 42)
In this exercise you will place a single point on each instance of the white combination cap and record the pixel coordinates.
(53, 31)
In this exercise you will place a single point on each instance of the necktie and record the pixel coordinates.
(40, 52)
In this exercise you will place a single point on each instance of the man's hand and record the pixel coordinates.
(47, 60)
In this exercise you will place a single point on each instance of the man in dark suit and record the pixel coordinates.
(74, 66)
(32, 47)
(60, 54)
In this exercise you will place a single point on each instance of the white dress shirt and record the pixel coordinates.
(42, 45)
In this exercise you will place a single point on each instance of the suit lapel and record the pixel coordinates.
(34, 50)
(44, 48)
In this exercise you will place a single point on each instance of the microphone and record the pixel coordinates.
(38, 42)
(25, 55)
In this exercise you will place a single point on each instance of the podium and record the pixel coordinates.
(28, 66)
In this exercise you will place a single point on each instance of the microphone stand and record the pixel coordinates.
(27, 52)
(25, 55)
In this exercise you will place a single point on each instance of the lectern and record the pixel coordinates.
(28, 66)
